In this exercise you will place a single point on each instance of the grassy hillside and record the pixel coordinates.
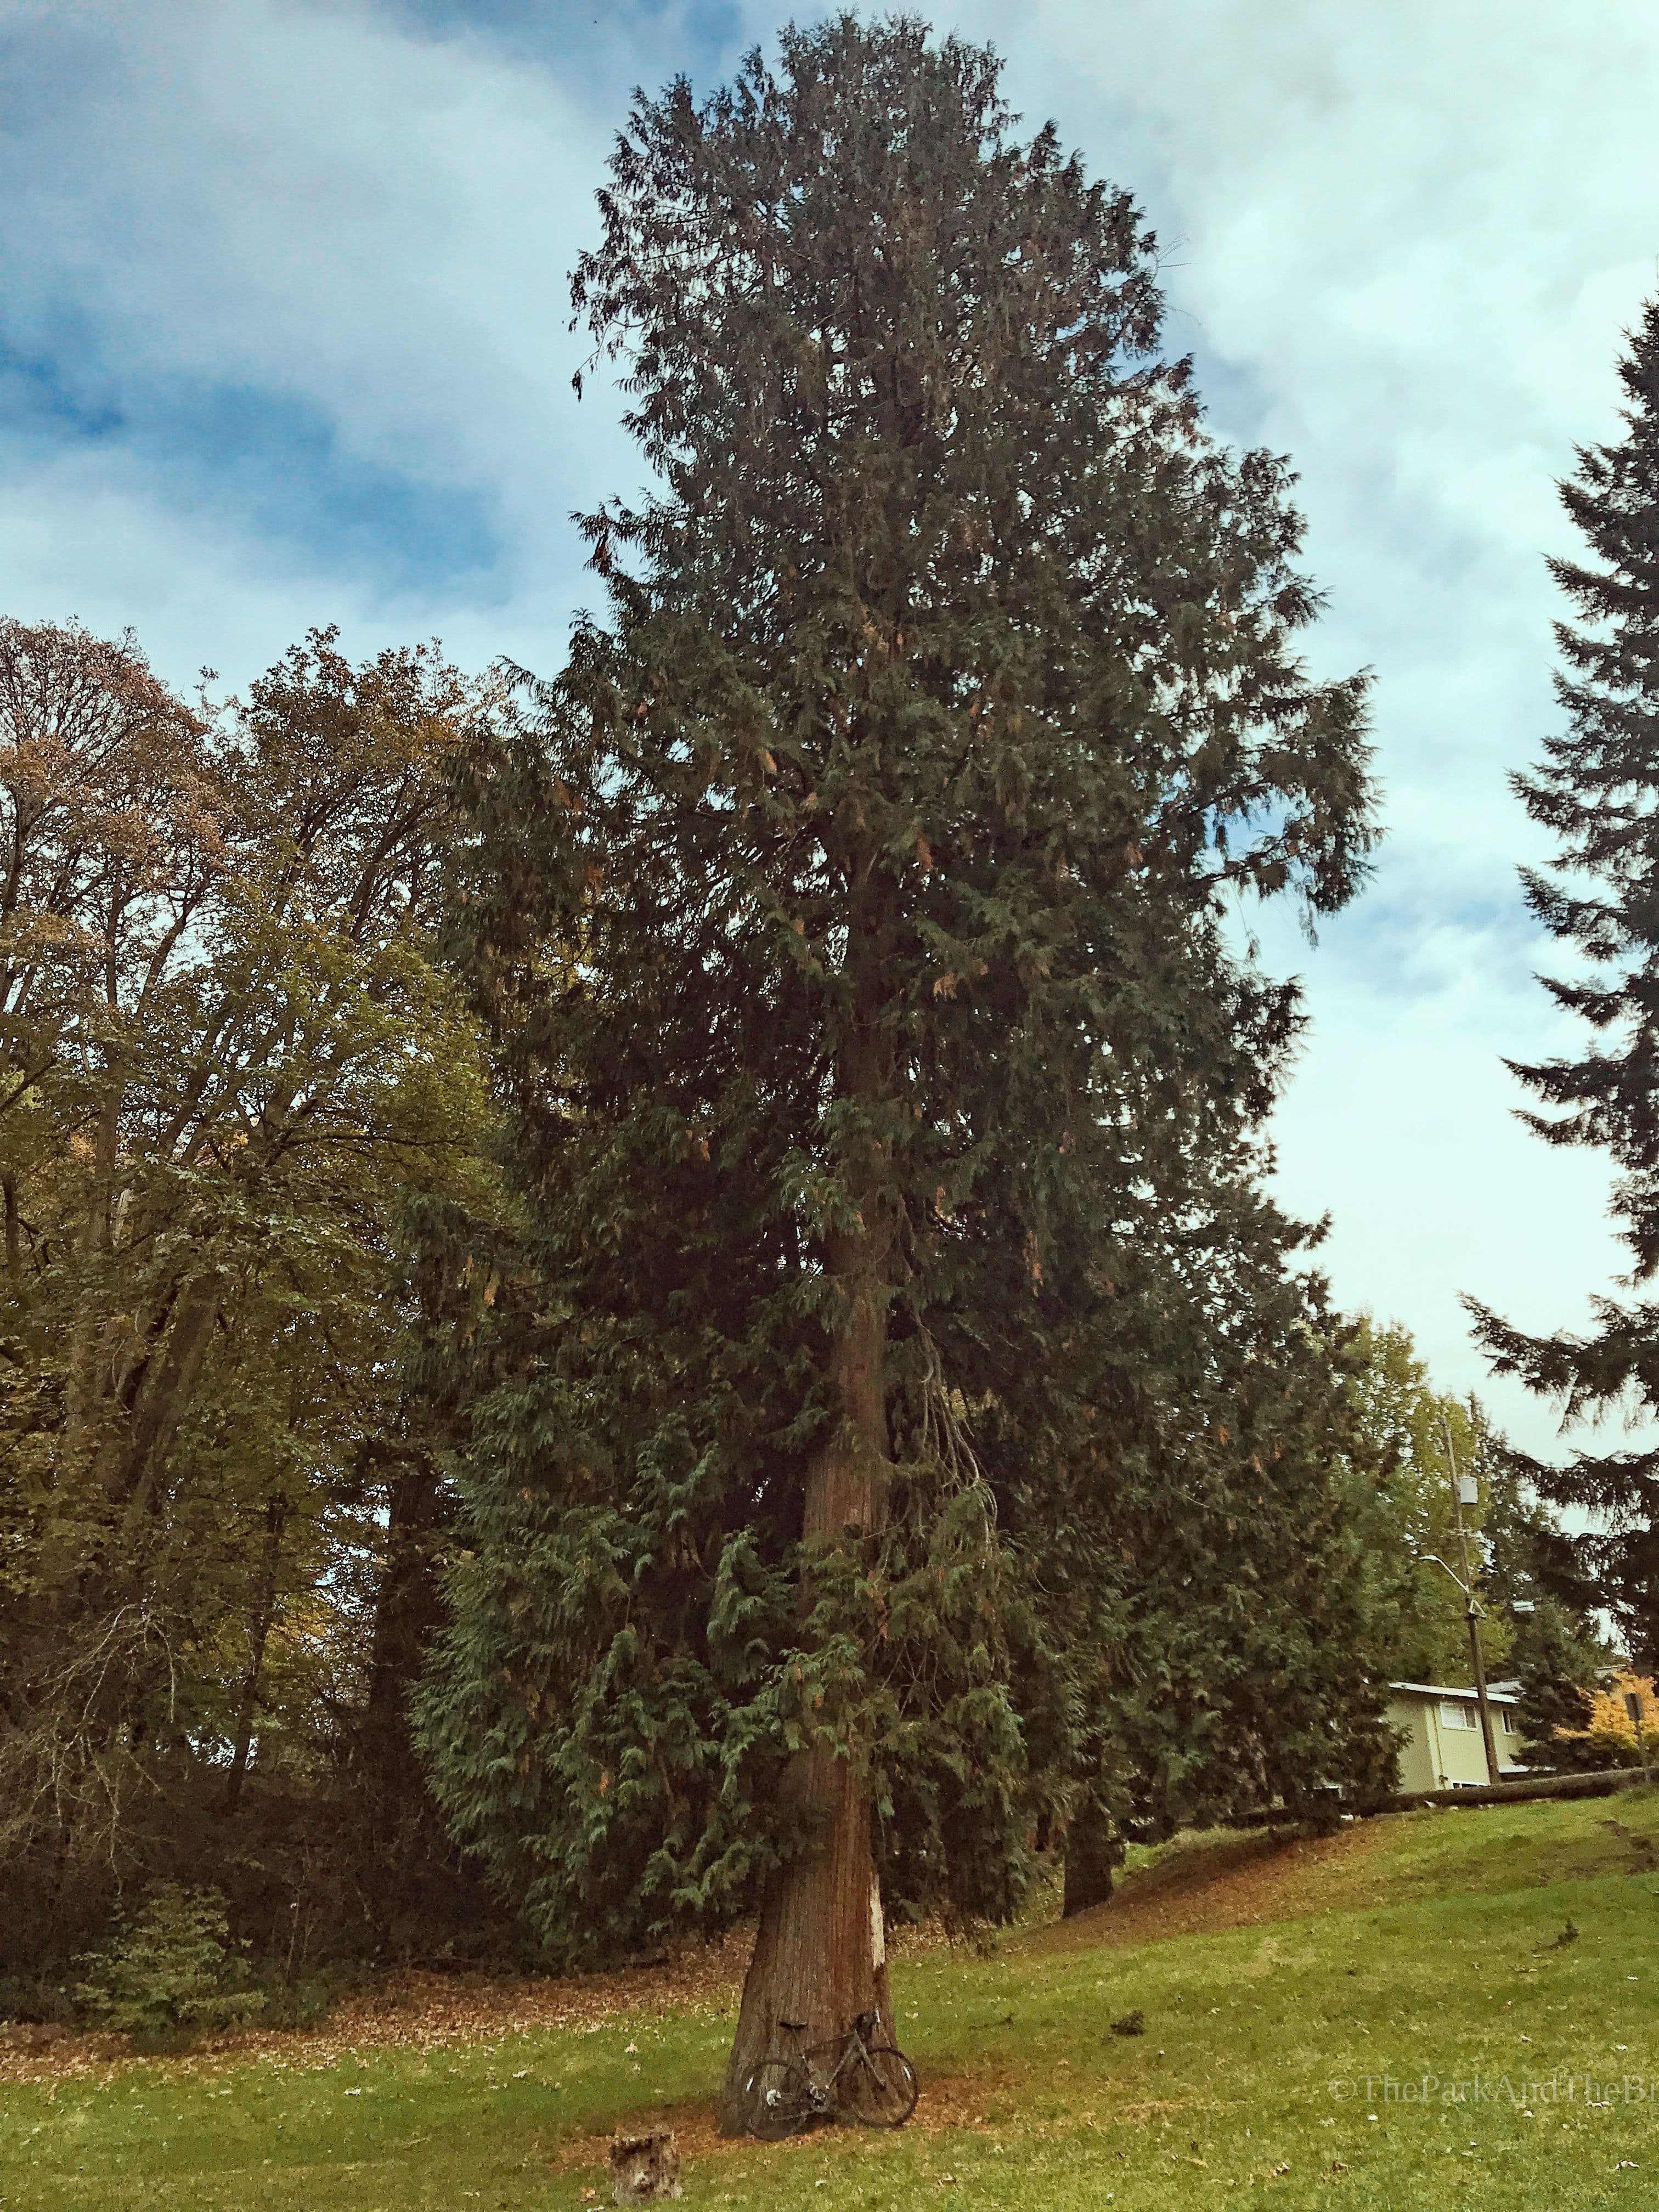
(1388, 2019)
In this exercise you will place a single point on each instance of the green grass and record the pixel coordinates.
(1423, 1949)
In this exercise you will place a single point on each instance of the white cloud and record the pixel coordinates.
(308, 205)
(1411, 233)
(1402, 236)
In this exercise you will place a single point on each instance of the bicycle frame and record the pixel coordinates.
(793, 2088)
(851, 2045)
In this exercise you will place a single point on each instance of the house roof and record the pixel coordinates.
(1439, 1690)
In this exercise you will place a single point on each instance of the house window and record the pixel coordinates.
(1456, 1717)
(1506, 1720)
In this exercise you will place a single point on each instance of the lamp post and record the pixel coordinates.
(1473, 1612)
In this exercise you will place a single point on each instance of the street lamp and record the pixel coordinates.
(1465, 1491)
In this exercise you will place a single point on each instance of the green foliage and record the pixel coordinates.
(170, 1966)
(1401, 1423)
(1557, 1664)
(232, 1070)
(1209, 1555)
(1596, 792)
(1517, 1548)
(853, 906)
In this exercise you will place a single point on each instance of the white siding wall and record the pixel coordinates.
(1439, 1756)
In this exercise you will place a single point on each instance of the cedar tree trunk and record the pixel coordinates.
(820, 1953)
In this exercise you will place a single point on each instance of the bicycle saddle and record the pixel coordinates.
(797, 2024)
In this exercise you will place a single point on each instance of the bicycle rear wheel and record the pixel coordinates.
(882, 2086)
(777, 2101)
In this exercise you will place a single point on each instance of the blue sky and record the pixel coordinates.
(283, 341)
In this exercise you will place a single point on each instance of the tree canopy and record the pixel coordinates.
(228, 1064)
(851, 914)
(1597, 791)
(657, 1287)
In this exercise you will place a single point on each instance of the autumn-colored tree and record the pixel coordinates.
(1609, 1734)
(227, 1060)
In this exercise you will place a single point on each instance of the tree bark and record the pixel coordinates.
(264, 1614)
(820, 1956)
(407, 1610)
(13, 1229)
(1091, 1854)
(392, 1806)
(155, 1396)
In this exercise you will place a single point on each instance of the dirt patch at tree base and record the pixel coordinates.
(946, 2107)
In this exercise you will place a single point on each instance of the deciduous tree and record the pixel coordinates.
(228, 1062)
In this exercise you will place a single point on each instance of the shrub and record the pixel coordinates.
(169, 1968)
(303, 2003)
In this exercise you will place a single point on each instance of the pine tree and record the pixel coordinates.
(1597, 791)
(851, 916)
(1203, 1551)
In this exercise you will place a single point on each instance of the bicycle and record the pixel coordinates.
(873, 2081)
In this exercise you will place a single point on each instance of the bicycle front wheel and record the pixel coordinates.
(882, 2086)
(776, 2100)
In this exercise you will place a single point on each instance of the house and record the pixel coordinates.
(1442, 1747)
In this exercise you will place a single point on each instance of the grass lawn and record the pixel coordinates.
(1394, 2024)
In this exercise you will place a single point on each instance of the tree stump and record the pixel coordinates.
(644, 2168)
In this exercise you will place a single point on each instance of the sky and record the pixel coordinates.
(283, 340)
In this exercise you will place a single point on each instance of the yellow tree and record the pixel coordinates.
(1610, 1728)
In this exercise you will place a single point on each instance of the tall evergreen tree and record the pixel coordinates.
(1201, 1538)
(852, 921)
(1597, 791)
